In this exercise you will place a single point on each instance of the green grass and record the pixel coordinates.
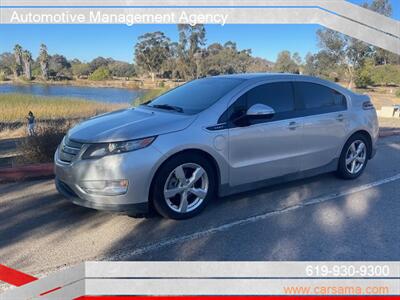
(15, 107)
(149, 95)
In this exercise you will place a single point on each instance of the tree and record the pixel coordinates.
(44, 61)
(7, 63)
(224, 59)
(259, 65)
(99, 62)
(121, 69)
(151, 51)
(297, 58)
(285, 63)
(382, 56)
(310, 65)
(170, 65)
(352, 53)
(59, 65)
(323, 64)
(383, 7)
(343, 51)
(27, 60)
(17, 68)
(191, 39)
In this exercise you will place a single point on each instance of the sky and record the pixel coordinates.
(86, 42)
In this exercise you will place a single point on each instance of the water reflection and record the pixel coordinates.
(113, 95)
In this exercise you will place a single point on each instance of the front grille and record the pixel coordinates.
(69, 149)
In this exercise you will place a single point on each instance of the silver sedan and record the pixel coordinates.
(214, 137)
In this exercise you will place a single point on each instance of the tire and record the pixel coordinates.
(186, 176)
(345, 169)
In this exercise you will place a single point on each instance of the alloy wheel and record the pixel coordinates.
(186, 187)
(356, 156)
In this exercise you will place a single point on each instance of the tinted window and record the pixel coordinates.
(318, 97)
(197, 95)
(277, 95)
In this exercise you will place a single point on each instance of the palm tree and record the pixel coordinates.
(18, 60)
(44, 61)
(27, 59)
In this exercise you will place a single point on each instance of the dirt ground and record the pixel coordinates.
(382, 96)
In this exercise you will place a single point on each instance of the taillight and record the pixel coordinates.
(367, 105)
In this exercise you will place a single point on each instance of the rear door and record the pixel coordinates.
(324, 123)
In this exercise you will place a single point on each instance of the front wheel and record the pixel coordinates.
(354, 157)
(183, 186)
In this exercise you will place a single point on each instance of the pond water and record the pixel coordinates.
(112, 95)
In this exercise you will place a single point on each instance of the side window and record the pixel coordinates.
(278, 95)
(317, 98)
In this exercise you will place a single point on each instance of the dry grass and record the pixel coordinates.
(15, 107)
(11, 133)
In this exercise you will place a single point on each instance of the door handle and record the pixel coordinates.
(340, 118)
(293, 125)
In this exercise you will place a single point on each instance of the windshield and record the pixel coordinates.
(195, 96)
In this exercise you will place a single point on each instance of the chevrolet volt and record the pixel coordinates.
(214, 137)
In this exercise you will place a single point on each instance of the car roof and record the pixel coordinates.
(248, 76)
(255, 77)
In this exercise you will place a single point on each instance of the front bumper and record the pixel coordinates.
(138, 167)
(373, 152)
(66, 191)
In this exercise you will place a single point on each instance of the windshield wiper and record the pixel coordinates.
(167, 107)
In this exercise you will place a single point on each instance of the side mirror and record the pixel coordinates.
(260, 111)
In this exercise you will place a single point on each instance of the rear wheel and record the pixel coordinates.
(183, 186)
(354, 157)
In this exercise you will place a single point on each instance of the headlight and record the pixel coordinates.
(100, 150)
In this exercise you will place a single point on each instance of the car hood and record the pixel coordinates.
(129, 124)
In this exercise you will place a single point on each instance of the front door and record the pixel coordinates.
(260, 149)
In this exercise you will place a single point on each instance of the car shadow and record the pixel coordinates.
(354, 227)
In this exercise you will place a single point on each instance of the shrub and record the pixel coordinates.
(363, 76)
(363, 79)
(41, 147)
(386, 74)
(102, 73)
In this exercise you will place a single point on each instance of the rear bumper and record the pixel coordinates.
(66, 191)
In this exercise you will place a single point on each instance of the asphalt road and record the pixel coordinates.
(320, 218)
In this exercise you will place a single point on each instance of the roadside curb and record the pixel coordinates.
(36, 171)
(389, 132)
